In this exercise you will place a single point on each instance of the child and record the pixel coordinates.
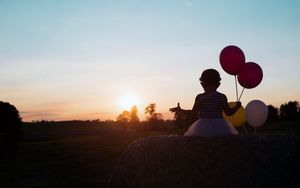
(208, 107)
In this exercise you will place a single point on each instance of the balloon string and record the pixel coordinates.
(245, 129)
(241, 94)
(236, 89)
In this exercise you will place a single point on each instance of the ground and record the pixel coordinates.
(83, 156)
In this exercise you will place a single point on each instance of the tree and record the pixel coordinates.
(290, 110)
(272, 113)
(154, 119)
(10, 132)
(123, 119)
(129, 118)
(150, 109)
(10, 121)
(134, 115)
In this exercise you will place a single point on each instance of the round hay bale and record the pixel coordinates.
(237, 161)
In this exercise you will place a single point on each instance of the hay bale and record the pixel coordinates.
(237, 161)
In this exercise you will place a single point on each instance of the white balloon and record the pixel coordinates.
(256, 113)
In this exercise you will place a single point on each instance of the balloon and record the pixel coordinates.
(256, 113)
(250, 76)
(238, 118)
(232, 59)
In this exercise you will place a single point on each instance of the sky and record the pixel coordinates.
(85, 59)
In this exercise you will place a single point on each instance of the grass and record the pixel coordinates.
(84, 156)
(69, 156)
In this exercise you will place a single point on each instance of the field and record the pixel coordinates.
(83, 156)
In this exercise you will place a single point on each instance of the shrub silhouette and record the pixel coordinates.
(10, 134)
(289, 111)
(10, 121)
(272, 113)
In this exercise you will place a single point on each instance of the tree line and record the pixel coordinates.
(11, 122)
(11, 131)
(130, 119)
(288, 111)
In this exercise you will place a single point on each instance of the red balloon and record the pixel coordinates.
(250, 76)
(232, 59)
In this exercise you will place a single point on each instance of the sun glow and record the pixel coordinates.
(128, 100)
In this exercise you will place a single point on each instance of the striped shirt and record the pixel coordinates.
(208, 106)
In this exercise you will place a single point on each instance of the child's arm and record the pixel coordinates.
(230, 111)
(187, 112)
(178, 110)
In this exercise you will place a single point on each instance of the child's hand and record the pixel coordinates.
(238, 104)
(176, 109)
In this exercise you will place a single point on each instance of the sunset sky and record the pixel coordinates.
(71, 59)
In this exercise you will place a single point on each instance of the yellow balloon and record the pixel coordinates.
(238, 118)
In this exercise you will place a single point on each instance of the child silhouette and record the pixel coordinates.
(208, 108)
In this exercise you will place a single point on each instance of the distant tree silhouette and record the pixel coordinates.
(151, 111)
(272, 113)
(155, 119)
(290, 110)
(134, 119)
(123, 119)
(127, 118)
(10, 135)
(10, 121)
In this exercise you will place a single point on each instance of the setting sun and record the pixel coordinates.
(128, 100)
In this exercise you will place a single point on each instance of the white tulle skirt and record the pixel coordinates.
(211, 128)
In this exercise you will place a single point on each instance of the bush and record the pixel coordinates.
(10, 121)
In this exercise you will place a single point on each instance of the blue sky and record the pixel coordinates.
(76, 59)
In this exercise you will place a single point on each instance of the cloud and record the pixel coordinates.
(41, 115)
(188, 3)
